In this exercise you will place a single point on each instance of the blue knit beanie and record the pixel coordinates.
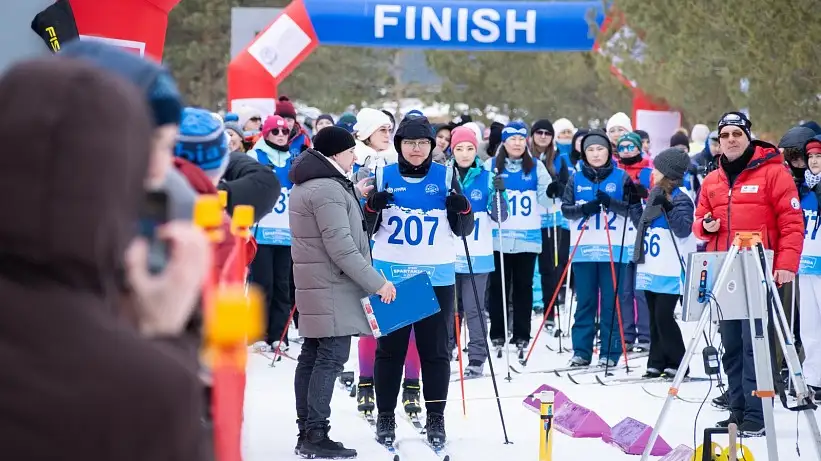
(514, 129)
(202, 140)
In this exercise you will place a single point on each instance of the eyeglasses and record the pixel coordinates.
(416, 144)
(627, 148)
(543, 133)
(278, 131)
(255, 119)
(735, 134)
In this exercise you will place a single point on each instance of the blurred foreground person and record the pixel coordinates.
(110, 391)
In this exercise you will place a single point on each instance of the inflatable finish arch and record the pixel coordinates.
(255, 73)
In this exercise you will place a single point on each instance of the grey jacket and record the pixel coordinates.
(330, 250)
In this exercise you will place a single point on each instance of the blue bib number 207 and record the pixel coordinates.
(413, 229)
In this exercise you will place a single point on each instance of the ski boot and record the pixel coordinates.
(386, 428)
(475, 369)
(651, 373)
(641, 347)
(435, 426)
(579, 362)
(318, 445)
(550, 326)
(410, 397)
(498, 346)
(365, 396)
(300, 438)
(521, 346)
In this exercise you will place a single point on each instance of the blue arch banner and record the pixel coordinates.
(456, 25)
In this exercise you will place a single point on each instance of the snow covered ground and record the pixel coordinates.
(270, 429)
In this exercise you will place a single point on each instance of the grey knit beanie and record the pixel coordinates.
(673, 163)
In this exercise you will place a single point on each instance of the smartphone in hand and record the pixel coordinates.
(153, 214)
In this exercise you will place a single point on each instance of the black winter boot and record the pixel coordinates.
(317, 445)
(436, 429)
(722, 401)
(365, 395)
(386, 428)
(410, 397)
(737, 418)
(300, 438)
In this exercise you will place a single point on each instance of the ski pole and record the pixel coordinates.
(568, 296)
(461, 369)
(549, 307)
(278, 349)
(616, 279)
(483, 325)
(504, 289)
(792, 323)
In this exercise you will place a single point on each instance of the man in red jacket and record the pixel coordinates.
(751, 191)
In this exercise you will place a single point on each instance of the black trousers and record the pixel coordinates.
(666, 343)
(519, 268)
(272, 270)
(547, 264)
(434, 355)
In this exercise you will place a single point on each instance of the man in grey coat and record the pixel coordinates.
(332, 273)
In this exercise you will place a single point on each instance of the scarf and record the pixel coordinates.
(811, 179)
(650, 213)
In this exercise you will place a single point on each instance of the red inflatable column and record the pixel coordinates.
(137, 25)
(255, 73)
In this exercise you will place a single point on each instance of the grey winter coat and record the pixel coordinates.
(330, 250)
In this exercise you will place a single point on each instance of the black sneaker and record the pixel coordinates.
(365, 396)
(410, 397)
(386, 428)
(435, 426)
(318, 445)
(722, 401)
(751, 429)
(737, 418)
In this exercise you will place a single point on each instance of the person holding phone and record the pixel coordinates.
(332, 273)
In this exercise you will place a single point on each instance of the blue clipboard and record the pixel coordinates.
(415, 300)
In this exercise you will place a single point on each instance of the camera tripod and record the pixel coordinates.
(760, 288)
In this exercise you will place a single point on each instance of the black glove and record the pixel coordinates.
(603, 198)
(661, 200)
(564, 175)
(498, 183)
(641, 191)
(378, 201)
(555, 190)
(591, 208)
(457, 203)
(632, 194)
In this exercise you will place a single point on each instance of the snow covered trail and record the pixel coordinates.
(270, 429)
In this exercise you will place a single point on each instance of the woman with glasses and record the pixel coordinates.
(417, 209)
(526, 181)
(271, 268)
(374, 151)
(634, 312)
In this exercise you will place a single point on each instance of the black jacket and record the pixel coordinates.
(249, 182)
(571, 210)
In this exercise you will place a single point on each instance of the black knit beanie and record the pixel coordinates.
(543, 124)
(333, 140)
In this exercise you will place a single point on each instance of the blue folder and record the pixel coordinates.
(415, 300)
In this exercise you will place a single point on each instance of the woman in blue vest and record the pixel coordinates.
(417, 208)
(481, 187)
(810, 269)
(664, 240)
(271, 269)
(598, 185)
(526, 181)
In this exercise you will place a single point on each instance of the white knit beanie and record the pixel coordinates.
(563, 124)
(476, 130)
(700, 133)
(368, 121)
(246, 113)
(620, 119)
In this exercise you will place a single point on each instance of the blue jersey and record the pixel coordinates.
(601, 234)
(274, 228)
(414, 235)
(811, 254)
(524, 220)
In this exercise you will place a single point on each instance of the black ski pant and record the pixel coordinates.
(272, 270)
(666, 343)
(519, 268)
(434, 356)
(547, 264)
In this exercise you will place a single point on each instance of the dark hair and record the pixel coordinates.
(548, 157)
(793, 153)
(527, 159)
(668, 185)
